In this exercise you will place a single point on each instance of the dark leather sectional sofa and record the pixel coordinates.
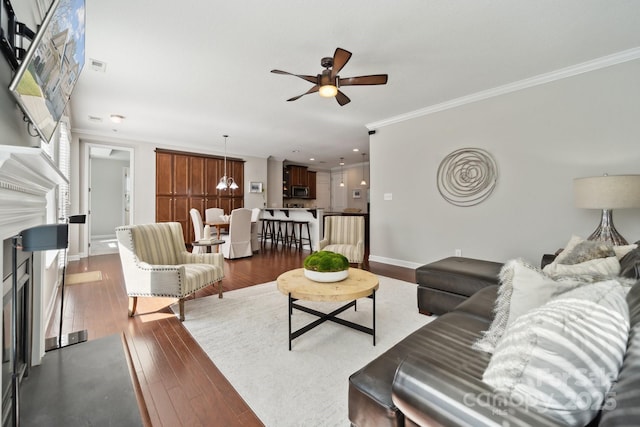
(429, 377)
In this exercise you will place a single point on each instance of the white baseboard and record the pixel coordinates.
(102, 236)
(396, 262)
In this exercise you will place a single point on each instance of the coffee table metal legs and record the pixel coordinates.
(323, 317)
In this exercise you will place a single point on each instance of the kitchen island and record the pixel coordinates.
(313, 215)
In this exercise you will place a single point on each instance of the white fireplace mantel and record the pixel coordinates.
(27, 174)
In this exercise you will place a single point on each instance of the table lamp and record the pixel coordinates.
(607, 192)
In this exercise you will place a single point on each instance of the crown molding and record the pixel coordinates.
(574, 70)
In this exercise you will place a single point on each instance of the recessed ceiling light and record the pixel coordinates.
(117, 118)
(312, 159)
(356, 149)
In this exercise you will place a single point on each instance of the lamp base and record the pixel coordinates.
(606, 232)
(72, 338)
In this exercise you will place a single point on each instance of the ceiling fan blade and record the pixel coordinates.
(312, 79)
(340, 59)
(376, 79)
(342, 98)
(312, 90)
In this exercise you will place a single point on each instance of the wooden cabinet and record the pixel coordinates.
(297, 175)
(293, 175)
(311, 181)
(186, 181)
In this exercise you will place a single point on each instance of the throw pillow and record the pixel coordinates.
(563, 357)
(573, 241)
(522, 287)
(621, 251)
(589, 271)
(586, 251)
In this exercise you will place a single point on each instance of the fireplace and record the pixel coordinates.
(23, 325)
(27, 175)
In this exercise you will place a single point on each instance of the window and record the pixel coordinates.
(58, 202)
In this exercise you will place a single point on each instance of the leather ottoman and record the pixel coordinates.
(444, 284)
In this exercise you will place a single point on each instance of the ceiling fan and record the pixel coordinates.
(327, 83)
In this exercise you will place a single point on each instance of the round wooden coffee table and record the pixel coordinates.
(359, 284)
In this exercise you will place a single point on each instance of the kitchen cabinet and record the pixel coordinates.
(186, 181)
(311, 181)
(298, 175)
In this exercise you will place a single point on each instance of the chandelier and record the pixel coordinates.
(226, 182)
(341, 171)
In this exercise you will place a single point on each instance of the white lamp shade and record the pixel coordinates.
(607, 192)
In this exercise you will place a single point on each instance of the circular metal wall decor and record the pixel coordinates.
(467, 176)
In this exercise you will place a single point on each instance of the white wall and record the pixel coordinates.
(352, 177)
(274, 183)
(541, 138)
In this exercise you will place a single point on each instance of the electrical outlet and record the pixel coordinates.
(458, 252)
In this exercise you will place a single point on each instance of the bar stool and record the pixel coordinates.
(282, 235)
(300, 240)
(268, 230)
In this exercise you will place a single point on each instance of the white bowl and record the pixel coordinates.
(326, 277)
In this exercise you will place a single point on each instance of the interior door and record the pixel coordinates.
(109, 196)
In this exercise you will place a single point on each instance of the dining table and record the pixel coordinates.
(219, 225)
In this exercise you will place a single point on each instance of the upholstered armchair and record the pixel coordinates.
(344, 235)
(156, 263)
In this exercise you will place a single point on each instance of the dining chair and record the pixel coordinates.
(213, 214)
(255, 226)
(238, 243)
(198, 230)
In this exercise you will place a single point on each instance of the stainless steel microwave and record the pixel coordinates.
(299, 191)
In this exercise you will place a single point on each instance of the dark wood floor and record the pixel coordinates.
(177, 383)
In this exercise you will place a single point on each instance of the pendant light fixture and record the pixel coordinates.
(341, 171)
(224, 181)
(363, 182)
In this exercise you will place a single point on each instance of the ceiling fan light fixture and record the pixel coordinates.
(328, 91)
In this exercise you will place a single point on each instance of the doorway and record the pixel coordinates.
(109, 196)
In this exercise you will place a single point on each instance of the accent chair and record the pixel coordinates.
(156, 263)
(344, 235)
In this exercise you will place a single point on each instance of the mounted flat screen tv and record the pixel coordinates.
(46, 77)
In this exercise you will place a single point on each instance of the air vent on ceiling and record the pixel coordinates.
(98, 65)
(95, 119)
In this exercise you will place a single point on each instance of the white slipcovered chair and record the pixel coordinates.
(213, 214)
(238, 243)
(156, 263)
(255, 227)
(344, 235)
(198, 230)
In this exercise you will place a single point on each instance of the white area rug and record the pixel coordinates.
(246, 336)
